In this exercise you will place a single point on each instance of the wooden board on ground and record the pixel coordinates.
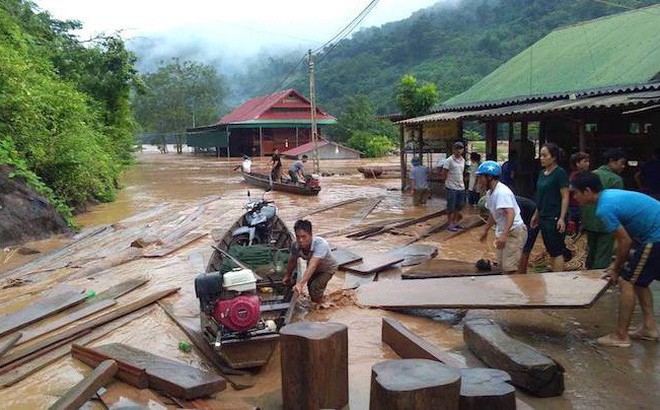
(354, 280)
(87, 387)
(530, 369)
(326, 207)
(400, 225)
(165, 375)
(373, 263)
(366, 210)
(530, 291)
(343, 256)
(41, 308)
(469, 222)
(445, 268)
(415, 253)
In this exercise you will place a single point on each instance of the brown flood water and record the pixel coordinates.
(595, 377)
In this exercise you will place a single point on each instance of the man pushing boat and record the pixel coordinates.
(320, 263)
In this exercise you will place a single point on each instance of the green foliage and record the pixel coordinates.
(372, 146)
(360, 116)
(179, 95)
(415, 99)
(65, 121)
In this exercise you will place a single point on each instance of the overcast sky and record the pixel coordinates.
(240, 24)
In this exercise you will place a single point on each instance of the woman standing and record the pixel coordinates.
(552, 204)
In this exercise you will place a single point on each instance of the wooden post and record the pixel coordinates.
(414, 384)
(314, 363)
(581, 140)
(402, 156)
(491, 140)
(261, 142)
(87, 387)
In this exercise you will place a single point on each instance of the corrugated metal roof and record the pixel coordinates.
(614, 52)
(628, 100)
(308, 147)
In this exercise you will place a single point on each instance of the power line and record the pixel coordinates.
(350, 26)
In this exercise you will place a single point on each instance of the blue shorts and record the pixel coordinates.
(455, 199)
(643, 265)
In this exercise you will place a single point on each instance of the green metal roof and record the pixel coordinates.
(617, 50)
(208, 138)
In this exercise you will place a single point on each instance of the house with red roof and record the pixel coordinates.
(327, 150)
(281, 120)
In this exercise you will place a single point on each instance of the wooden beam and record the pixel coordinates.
(366, 210)
(530, 369)
(38, 310)
(406, 224)
(127, 373)
(9, 343)
(87, 387)
(323, 208)
(101, 320)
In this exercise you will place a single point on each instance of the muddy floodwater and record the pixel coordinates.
(595, 377)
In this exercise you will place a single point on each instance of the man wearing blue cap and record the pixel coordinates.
(419, 182)
(510, 230)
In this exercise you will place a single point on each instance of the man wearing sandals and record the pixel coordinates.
(634, 219)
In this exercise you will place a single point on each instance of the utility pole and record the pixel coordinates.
(314, 130)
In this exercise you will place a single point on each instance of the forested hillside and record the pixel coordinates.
(65, 121)
(450, 44)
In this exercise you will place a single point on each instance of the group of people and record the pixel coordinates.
(296, 169)
(595, 201)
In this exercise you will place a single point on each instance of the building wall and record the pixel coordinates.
(331, 151)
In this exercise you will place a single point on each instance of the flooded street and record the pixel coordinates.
(595, 377)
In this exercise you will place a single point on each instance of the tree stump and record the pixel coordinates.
(414, 384)
(530, 369)
(487, 389)
(314, 365)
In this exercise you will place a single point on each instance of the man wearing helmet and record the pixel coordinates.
(510, 230)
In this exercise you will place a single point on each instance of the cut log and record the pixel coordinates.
(38, 310)
(87, 387)
(445, 268)
(42, 359)
(127, 373)
(168, 376)
(414, 384)
(66, 320)
(314, 361)
(408, 345)
(487, 389)
(530, 369)
(532, 291)
(74, 331)
(9, 343)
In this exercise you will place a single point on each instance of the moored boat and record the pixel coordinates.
(264, 181)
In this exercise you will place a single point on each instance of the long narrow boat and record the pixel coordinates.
(263, 181)
(277, 301)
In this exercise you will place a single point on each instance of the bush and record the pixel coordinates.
(372, 146)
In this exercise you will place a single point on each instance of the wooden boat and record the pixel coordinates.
(277, 301)
(263, 181)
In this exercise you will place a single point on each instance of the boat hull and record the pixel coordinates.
(264, 182)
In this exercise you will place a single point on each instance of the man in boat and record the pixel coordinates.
(296, 170)
(246, 165)
(276, 166)
(634, 219)
(320, 263)
(510, 230)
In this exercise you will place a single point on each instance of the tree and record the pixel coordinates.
(179, 95)
(371, 145)
(415, 99)
(360, 116)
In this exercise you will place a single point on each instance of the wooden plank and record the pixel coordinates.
(46, 328)
(366, 210)
(406, 224)
(115, 291)
(326, 207)
(371, 225)
(87, 387)
(535, 290)
(530, 369)
(16, 375)
(373, 263)
(101, 320)
(354, 280)
(343, 256)
(445, 268)
(468, 223)
(408, 345)
(239, 379)
(414, 254)
(9, 343)
(127, 373)
(38, 310)
(165, 375)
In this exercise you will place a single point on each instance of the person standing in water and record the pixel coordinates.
(552, 204)
(452, 174)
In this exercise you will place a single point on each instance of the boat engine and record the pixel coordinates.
(229, 300)
(313, 181)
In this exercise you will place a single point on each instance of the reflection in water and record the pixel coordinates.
(182, 181)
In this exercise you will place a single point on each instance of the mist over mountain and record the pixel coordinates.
(452, 44)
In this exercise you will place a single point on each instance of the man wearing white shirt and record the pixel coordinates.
(452, 174)
(510, 230)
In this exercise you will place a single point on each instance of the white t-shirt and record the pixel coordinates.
(473, 175)
(455, 168)
(247, 165)
(499, 199)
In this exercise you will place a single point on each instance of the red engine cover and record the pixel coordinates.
(238, 314)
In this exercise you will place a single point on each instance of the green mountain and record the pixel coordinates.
(451, 44)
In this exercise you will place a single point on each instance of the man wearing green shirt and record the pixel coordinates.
(600, 243)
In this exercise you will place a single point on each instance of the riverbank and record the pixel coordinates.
(595, 377)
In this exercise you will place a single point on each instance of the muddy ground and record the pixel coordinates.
(595, 377)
